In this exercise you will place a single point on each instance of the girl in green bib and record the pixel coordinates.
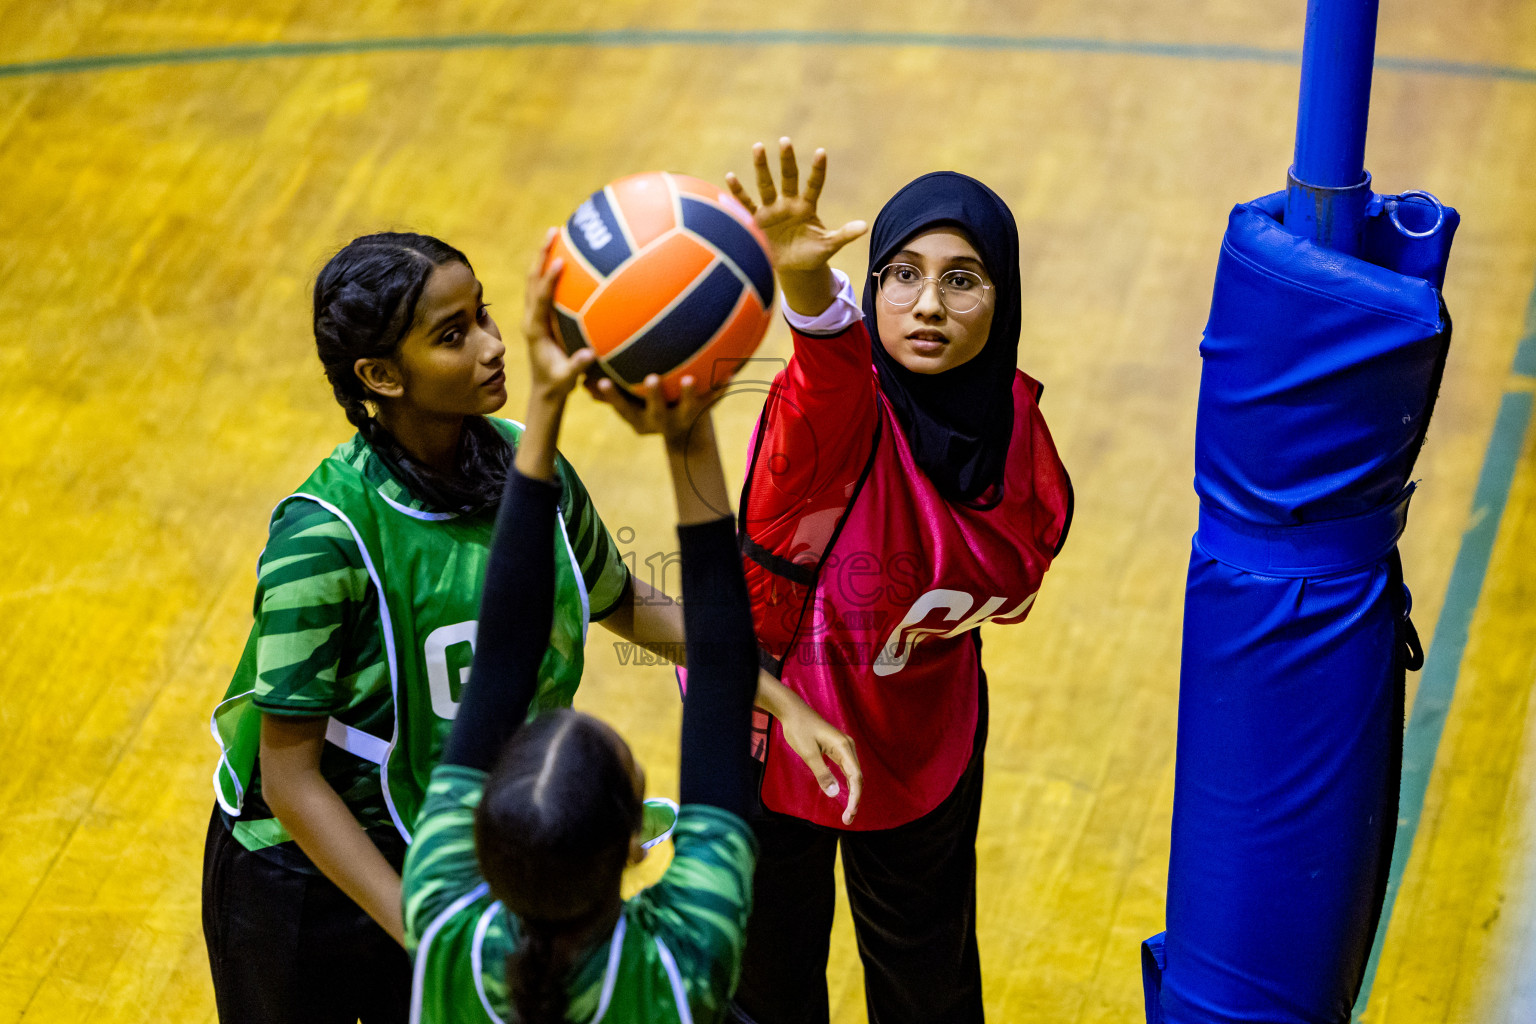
(512, 904)
(366, 622)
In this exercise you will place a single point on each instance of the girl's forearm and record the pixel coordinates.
(651, 620)
(808, 292)
(328, 834)
(776, 698)
(323, 826)
(535, 456)
(698, 482)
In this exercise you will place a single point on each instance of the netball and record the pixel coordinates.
(664, 274)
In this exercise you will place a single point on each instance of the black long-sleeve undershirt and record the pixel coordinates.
(517, 609)
(722, 670)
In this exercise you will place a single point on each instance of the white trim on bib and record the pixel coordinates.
(611, 973)
(386, 627)
(679, 993)
(581, 583)
(419, 974)
(477, 960)
(434, 517)
(356, 742)
(224, 765)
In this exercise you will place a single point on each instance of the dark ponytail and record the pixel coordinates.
(536, 973)
(365, 303)
(552, 835)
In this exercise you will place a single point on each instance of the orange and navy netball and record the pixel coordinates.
(664, 274)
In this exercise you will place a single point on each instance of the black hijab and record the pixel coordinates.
(957, 422)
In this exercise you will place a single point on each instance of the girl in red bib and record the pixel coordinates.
(902, 489)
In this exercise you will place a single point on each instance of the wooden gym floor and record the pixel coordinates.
(174, 173)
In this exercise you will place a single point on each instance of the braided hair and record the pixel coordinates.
(365, 304)
(552, 836)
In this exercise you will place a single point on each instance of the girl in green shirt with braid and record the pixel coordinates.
(366, 620)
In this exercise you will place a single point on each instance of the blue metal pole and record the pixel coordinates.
(1329, 188)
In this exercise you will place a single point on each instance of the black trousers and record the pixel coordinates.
(912, 892)
(291, 948)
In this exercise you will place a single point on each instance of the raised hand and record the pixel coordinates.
(797, 238)
(551, 371)
(798, 242)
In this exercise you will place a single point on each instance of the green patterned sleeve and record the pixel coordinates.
(702, 903)
(310, 588)
(604, 573)
(440, 868)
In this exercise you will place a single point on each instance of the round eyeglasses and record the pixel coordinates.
(901, 284)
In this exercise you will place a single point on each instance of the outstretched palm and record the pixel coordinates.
(798, 240)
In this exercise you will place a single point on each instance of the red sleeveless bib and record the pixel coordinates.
(876, 637)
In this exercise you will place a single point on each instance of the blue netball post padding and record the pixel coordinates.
(1320, 374)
